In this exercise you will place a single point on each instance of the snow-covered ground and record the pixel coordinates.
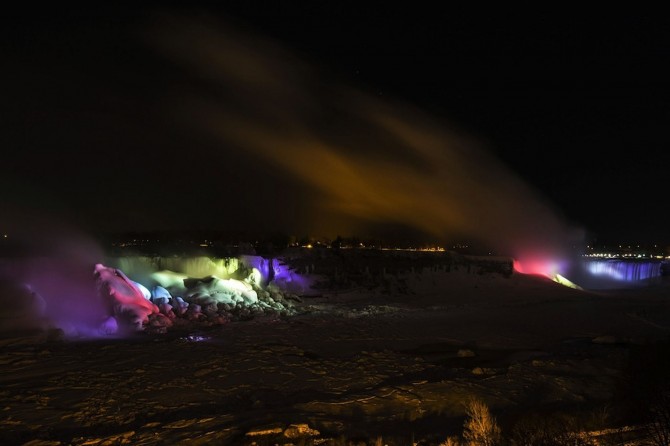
(376, 348)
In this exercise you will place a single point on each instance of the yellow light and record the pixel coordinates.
(565, 282)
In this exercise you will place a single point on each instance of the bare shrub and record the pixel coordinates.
(480, 428)
(658, 429)
(451, 441)
(556, 430)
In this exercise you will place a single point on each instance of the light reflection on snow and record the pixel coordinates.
(195, 338)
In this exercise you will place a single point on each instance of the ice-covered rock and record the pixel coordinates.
(144, 290)
(249, 296)
(212, 289)
(179, 306)
(223, 298)
(255, 277)
(160, 301)
(166, 309)
(233, 285)
(194, 312)
(158, 292)
(125, 302)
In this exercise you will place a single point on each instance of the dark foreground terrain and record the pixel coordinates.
(396, 361)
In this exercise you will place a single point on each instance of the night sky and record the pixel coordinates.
(94, 112)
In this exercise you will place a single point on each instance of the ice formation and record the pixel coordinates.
(144, 290)
(628, 271)
(174, 298)
(124, 299)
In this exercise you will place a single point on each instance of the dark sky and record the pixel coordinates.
(576, 106)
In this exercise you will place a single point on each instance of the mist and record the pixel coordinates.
(366, 159)
(46, 271)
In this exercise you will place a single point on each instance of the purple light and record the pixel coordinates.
(624, 271)
(273, 271)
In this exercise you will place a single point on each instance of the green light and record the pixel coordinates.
(565, 282)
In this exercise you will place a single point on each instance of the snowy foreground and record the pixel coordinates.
(373, 350)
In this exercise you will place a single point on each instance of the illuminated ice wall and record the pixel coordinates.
(624, 271)
(142, 267)
(173, 270)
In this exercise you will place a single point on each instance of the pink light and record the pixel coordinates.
(540, 267)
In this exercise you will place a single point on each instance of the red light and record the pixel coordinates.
(537, 267)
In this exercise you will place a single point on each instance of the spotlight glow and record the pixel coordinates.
(546, 267)
(541, 267)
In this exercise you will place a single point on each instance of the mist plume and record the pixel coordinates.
(367, 159)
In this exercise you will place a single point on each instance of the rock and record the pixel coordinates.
(166, 309)
(210, 308)
(219, 320)
(194, 312)
(265, 430)
(43, 443)
(159, 320)
(293, 297)
(605, 339)
(465, 353)
(300, 430)
(180, 306)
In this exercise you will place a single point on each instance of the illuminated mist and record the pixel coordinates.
(368, 159)
(52, 261)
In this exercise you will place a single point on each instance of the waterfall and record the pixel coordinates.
(622, 270)
(141, 266)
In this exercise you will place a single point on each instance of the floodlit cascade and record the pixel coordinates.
(200, 266)
(622, 270)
